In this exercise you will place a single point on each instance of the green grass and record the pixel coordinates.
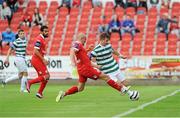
(95, 101)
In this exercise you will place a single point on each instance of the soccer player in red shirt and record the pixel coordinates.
(86, 70)
(39, 62)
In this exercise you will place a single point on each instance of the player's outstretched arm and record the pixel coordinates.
(118, 54)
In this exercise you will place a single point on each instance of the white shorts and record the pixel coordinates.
(21, 65)
(118, 75)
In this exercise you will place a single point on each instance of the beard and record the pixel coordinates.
(45, 36)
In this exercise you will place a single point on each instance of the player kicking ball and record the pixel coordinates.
(102, 55)
(19, 46)
(80, 59)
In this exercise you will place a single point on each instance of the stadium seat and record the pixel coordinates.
(115, 37)
(172, 51)
(160, 51)
(136, 50)
(164, 10)
(152, 12)
(119, 11)
(130, 11)
(148, 51)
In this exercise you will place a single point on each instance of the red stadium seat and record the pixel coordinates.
(130, 11)
(115, 37)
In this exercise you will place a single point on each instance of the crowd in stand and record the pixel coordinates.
(127, 25)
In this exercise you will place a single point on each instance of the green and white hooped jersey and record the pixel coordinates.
(104, 57)
(19, 45)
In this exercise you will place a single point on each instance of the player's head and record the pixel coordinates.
(21, 34)
(44, 31)
(82, 38)
(104, 39)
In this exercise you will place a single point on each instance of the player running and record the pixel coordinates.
(80, 59)
(19, 46)
(39, 62)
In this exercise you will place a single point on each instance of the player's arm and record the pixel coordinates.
(72, 57)
(118, 54)
(8, 54)
(37, 53)
(74, 49)
(10, 51)
(93, 60)
(94, 64)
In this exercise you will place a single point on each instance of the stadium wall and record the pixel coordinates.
(139, 70)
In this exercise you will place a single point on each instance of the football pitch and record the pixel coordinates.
(94, 101)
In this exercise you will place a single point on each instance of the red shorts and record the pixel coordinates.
(88, 72)
(39, 66)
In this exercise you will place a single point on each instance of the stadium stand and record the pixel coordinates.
(64, 26)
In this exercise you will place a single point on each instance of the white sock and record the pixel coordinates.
(23, 83)
(11, 78)
(129, 92)
(125, 89)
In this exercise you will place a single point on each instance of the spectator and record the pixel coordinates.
(26, 19)
(172, 1)
(66, 3)
(103, 27)
(114, 25)
(6, 13)
(143, 3)
(174, 27)
(7, 37)
(131, 3)
(12, 5)
(163, 23)
(37, 18)
(166, 3)
(21, 4)
(1, 4)
(119, 3)
(128, 26)
(154, 3)
(97, 3)
(76, 3)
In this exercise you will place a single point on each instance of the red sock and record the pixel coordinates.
(42, 86)
(114, 85)
(72, 90)
(37, 80)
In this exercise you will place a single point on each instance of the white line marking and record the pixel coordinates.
(145, 105)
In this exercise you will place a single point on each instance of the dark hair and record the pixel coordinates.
(103, 36)
(21, 30)
(43, 27)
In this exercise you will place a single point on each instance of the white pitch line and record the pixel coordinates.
(145, 105)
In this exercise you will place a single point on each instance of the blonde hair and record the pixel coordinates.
(81, 35)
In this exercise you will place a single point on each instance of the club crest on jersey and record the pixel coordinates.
(95, 76)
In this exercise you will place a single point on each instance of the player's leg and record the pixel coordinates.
(120, 87)
(24, 81)
(41, 70)
(14, 77)
(43, 85)
(133, 94)
(73, 89)
(22, 68)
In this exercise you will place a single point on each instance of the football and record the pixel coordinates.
(134, 96)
